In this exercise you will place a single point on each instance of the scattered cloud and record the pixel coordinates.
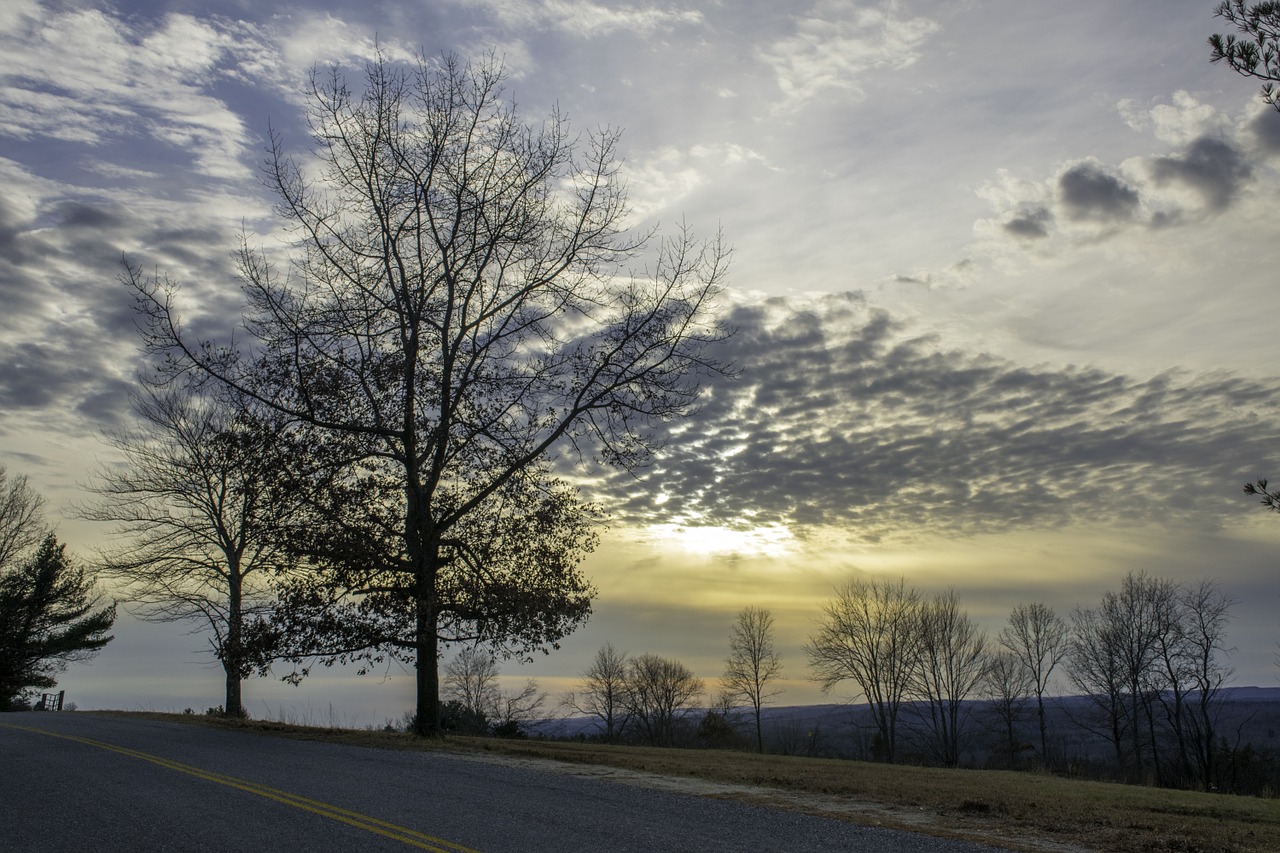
(1212, 165)
(586, 19)
(104, 78)
(837, 43)
(665, 178)
(1031, 223)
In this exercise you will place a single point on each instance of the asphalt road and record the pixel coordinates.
(77, 781)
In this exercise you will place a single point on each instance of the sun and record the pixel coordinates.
(714, 540)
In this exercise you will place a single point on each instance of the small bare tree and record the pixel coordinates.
(753, 663)
(870, 634)
(952, 665)
(660, 691)
(1007, 689)
(517, 709)
(1038, 639)
(602, 693)
(471, 680)
(1095, 667)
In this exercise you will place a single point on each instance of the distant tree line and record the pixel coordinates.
(1149, 664)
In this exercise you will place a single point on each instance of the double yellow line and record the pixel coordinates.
(359, 821)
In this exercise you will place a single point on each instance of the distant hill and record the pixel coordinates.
(1249, 716)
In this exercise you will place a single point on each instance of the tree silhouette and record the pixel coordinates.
(49, 617)
(459, 306)
(1257, 55)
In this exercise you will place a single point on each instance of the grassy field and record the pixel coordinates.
(1019, 811)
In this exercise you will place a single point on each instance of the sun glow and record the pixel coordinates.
(717, 540)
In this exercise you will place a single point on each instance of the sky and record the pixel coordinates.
(1004, 283)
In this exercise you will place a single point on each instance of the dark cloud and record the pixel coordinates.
(842, 418)
(97, 217)
(1266, 129)
(1089, 192)
(1214, 168)
(1032, 224)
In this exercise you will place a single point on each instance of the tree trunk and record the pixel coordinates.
(427, 721)
(233, 651)
(233, 706)
(1044, 733)
(759, 733)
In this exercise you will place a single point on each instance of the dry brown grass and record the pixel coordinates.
(1020, 811)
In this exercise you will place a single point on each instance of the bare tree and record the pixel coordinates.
(1258, 54)
(602, 693)
(1207, 614)
(459, 306)
(753, 663)
(1115, 659)
(1139, 615)
(518, 709)
(471, 680)
(1007, 688)
(1094, 666)
(952, 665)
(870, 634)
(1191, 647)
(660, 691)
(1038, 639)
(21, 517)
(196, 519)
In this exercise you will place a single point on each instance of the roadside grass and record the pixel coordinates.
(1016, 810)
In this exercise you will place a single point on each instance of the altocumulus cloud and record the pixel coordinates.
(844, 417)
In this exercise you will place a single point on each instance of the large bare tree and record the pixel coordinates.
(1115, 658)
(870, 634)
(1191, 672)
(459, 305)
(753, 663)
(196, 506)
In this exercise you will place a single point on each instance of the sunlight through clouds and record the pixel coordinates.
(713, 540)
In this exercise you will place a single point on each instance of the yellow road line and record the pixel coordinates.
(351, 818)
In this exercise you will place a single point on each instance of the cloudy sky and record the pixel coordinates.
(1005, 282)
